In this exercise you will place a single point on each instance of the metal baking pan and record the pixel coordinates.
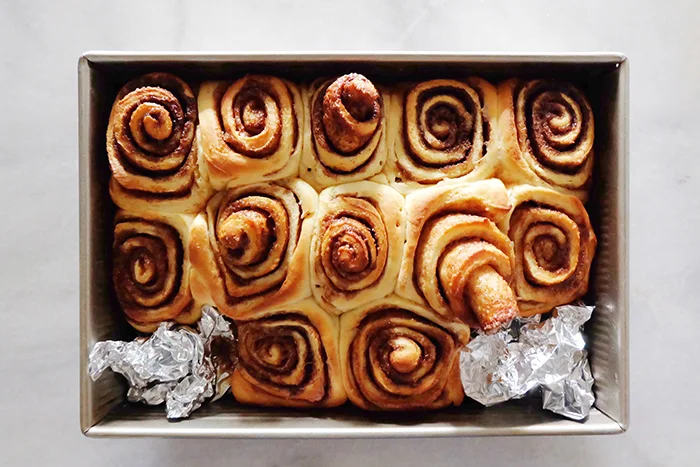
(604, 76)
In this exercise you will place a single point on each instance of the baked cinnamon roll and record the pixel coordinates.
(250, 247)
(442, 129)
(547, 128)
(288, 357)
(554, 246)
(357, 244)
(151, 269)
(396, 355)
(250, 129)
(152, 148)
(345, 131)
(456, 260)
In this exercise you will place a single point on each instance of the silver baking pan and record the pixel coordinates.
(604, 76)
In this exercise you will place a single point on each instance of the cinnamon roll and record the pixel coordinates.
(547, 129)
(288, 357)
(251, 129)
(250, 247)
(442, 129)
(456, 260)
(357, 244)
(396, 355)
(554, 246)
(151, 269)
(152, 149)
(345, 131)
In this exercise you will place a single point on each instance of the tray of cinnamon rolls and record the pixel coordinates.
(357, 221)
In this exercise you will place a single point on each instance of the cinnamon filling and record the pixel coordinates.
(558, 122)
(284, 356)
(152, 126)
(400, 360)
(442, 131)
(345, 116)
(354, 244)
(147, 269)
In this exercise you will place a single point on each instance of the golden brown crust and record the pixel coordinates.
(288, 357)
(152, 147)
(441, 129)
(454, 248)
(250, 246)
(151, 269)
(345, 136)
(554, 246)
(396, 355)
(251, 129)
(357, 244)
(547, 133)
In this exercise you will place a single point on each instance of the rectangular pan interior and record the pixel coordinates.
(604, 77)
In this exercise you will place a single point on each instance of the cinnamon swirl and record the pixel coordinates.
(151, 269)
(547, 129)
(357, 244)
(345, 131)
(554, 246)
(251, 129)
(442, 129)
(396, 355)
(289, 357)
(250, 246)
(456, 260)
(152, 148)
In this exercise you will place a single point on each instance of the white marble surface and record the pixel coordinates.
(40, 45)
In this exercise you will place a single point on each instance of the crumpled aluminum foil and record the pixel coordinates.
(548, 355)
(174, 365)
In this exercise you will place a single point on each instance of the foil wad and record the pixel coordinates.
(175, 365)
(531, 355)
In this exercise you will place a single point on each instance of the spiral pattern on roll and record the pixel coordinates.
(250, 246)
(353, 244)
(400, 360)
(346, 131)
(250, 129)
(252, 236)
(456, 259)
(444, 130)
(284, 356)
(357, 243)
(548, 133)
(151, 145)
(554, 246)
(252, 111)
(150, 270)
(453, 248)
